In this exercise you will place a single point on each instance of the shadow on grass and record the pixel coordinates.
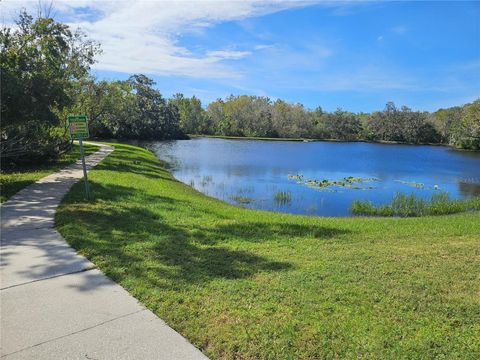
(10, 188)
(129, 240)
(114, 193)
(138, 243)
(12, 180)
(266, 231)
(141, 166)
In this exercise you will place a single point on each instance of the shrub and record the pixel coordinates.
(410, 205)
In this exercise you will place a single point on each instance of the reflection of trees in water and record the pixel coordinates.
(467, 188)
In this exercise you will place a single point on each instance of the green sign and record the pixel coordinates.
(78, 127)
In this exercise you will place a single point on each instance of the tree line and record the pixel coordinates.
(45, 75)
(254, 116)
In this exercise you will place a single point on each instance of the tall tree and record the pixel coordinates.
(341, 125)
(111, 107)
(156, 118)
(466, 133)
(191, 114)
(39, 61)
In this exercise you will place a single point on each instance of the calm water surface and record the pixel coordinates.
(253, 173)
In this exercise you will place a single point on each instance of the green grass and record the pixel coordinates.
(409, 205)
(14, 180)
(247, 284)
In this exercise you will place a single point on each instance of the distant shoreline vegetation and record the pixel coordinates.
(252, 117)
(44, 51)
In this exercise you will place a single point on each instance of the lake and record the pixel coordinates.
(317, 178)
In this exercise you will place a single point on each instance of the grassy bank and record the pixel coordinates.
(14, 180)
(249, 284)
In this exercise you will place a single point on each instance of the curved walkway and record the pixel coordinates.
(54, 303)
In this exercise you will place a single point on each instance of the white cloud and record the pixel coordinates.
(143, 36)
(264, 47)
(228, 54)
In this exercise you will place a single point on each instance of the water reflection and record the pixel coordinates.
(469, 189)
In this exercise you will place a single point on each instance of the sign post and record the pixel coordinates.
(78, 127)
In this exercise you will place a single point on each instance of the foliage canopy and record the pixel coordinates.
(40, 61)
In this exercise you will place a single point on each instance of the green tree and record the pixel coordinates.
(341, 125)
(466, 133)
(248, 115)
(444, 120)
(39, 62)
(402, 125)
(156, 119)
(192, 116)
(131, 109)
(220, 125)
(111, 107)
(291, 120)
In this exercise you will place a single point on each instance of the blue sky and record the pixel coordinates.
(355, 55)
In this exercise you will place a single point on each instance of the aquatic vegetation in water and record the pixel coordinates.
(241, 199)
(282, 197)
(246, 190)
(311, 209)
(418, 185)
(295, 177)
(410, 205)
(414, 184)
(206, 180)
(348, 182)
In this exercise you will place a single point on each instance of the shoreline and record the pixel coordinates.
(381, 142)
(139, 142)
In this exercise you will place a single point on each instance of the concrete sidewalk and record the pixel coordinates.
(54, 303)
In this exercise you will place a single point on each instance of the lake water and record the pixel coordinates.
(287, 176)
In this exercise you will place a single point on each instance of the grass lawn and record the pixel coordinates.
(12, 181)
(248, 284)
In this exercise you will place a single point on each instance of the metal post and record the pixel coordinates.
(85, 179)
